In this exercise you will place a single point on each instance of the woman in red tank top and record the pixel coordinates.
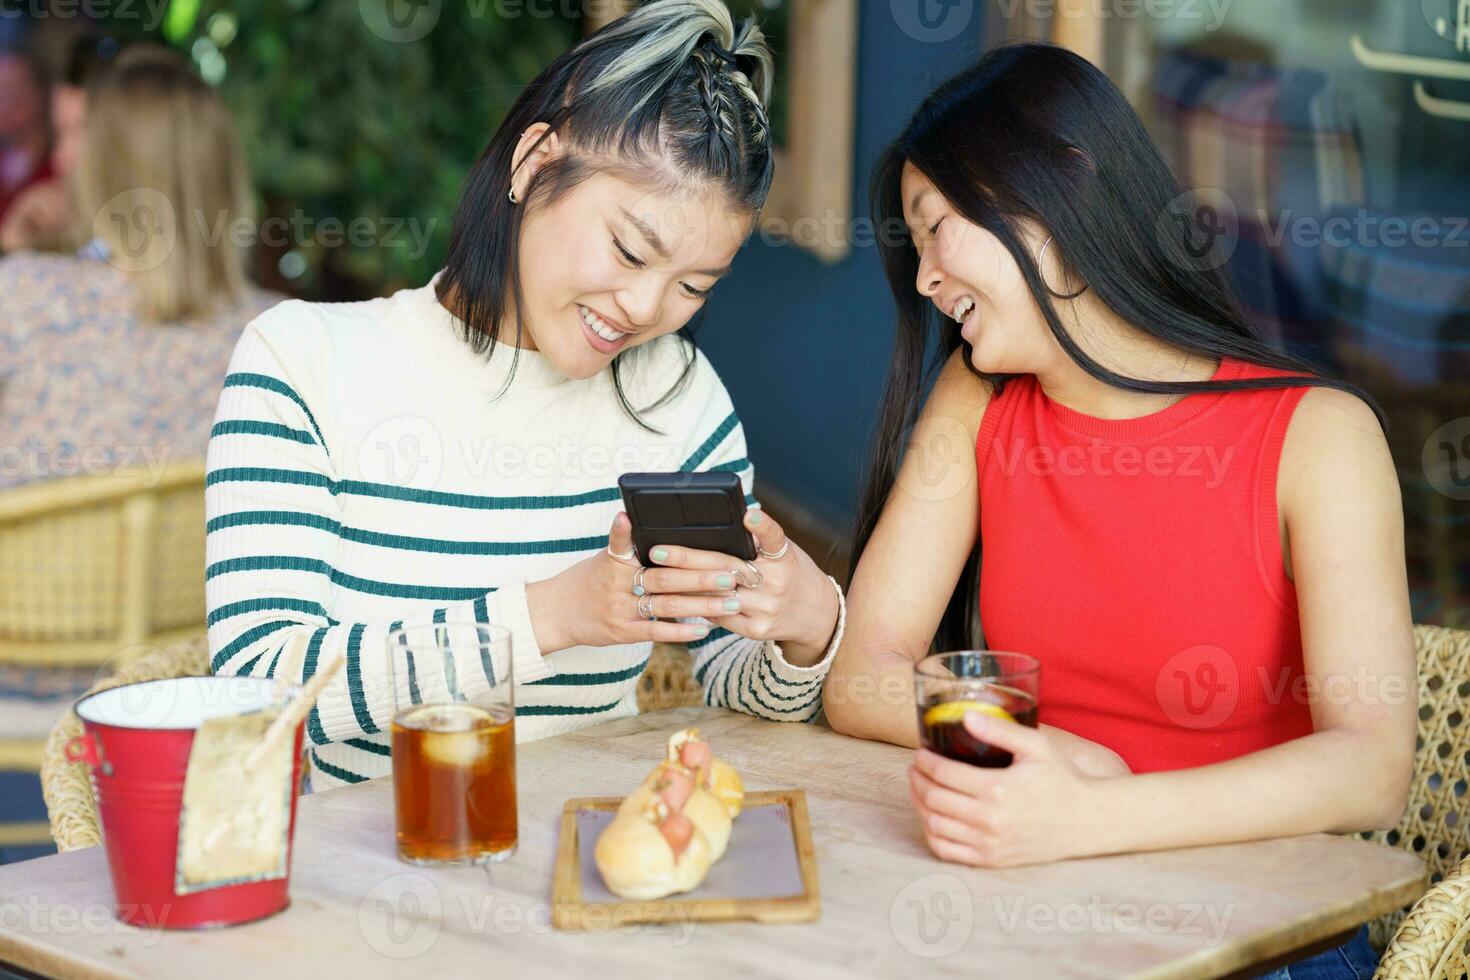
(1198, 537)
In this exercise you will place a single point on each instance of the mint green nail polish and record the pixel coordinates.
(724, 582)
(732, 605)
(701, 631)
(659, 554)
(755, 517)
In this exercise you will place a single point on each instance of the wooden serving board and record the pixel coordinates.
(570, 909)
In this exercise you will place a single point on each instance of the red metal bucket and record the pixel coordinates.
(137, 743)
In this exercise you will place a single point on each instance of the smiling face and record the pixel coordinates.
(611, 264)
(964, 268)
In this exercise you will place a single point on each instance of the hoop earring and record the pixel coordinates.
(1041, 258)
(512, 195)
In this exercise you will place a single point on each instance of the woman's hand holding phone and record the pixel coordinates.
(592, 603)
(794, 603)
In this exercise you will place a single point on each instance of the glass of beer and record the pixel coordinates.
(1006, 686)
(454, 762)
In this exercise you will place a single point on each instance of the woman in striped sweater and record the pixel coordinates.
(452, 451)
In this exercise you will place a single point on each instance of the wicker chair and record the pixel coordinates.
(1432, 940)
(94, 565)
(668, 680)
(96, 571)
(666, 683)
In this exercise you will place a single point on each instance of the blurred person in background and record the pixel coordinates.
(43, 215)
(25, 143)
(114, 357)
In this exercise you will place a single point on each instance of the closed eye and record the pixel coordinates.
(628, 256)
(637, 263)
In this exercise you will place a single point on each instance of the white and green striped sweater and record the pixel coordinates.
(363, 473)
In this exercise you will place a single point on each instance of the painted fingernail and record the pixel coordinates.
(659, 554)
(732, 605)
(755, 517)
(724, 582)
(700, 631)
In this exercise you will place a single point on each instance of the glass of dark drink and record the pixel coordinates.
(1006, 686)
(453, 742)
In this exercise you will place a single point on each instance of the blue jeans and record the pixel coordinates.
(1353, 960)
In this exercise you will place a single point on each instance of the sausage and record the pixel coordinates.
(677, 830)
(695, 755)
(675, 790)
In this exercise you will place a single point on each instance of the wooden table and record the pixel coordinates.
(889, 908)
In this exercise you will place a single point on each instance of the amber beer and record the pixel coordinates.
(947, 686)
(454, 783)
(454, 743)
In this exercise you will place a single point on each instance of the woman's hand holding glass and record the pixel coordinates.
(1039, 808)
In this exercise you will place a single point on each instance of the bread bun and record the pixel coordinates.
(668, 831)
(638, 864)
(713, 820)
(725, 783)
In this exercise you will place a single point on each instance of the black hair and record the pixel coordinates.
(1033, 131)
(670, 95)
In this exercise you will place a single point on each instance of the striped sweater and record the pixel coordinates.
(367, 469)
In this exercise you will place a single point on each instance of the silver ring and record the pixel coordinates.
(755, 573)
(638, 588)
(632, 554)
(780, 554)
(645, 607)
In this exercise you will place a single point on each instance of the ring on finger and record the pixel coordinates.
(780, 554)
(631, 555)
(751, 579)
(645, 607)
(638, 588)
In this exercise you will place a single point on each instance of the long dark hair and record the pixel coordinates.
(673, 94)
(1033, 131)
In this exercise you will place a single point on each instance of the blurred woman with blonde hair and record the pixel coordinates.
(114, 357)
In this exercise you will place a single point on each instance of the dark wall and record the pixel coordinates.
(803, 346)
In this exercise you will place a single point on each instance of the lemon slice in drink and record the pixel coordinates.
(953, 712)
(451, 734)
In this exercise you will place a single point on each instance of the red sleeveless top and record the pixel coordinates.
(1140, 561)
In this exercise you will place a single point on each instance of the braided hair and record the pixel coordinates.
(672, 95)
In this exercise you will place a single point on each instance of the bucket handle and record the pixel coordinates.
(83, 748)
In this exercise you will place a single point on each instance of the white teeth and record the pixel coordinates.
(962, 308)
(599, 326)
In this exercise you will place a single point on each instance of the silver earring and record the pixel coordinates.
(1040, 260)
(512, 196)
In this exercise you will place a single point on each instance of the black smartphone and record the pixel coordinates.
(692, 510)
